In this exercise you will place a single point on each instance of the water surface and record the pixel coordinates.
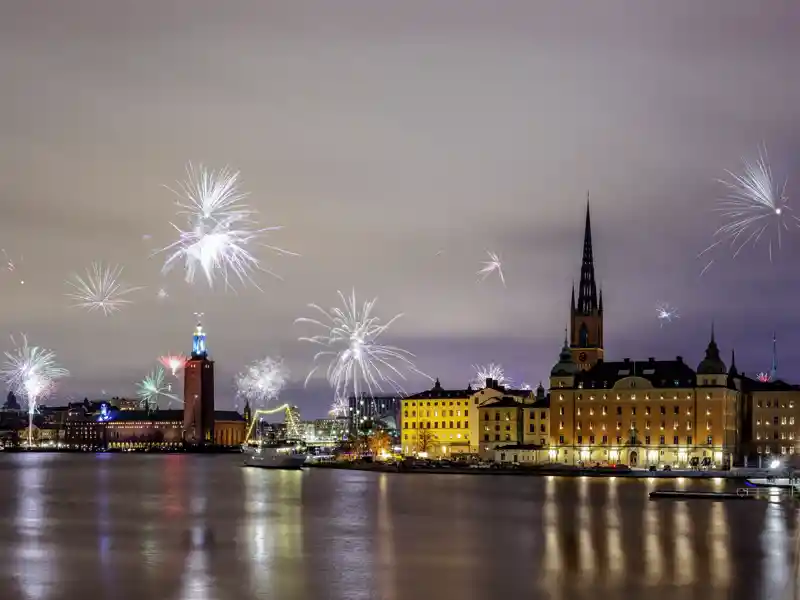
(162, 527)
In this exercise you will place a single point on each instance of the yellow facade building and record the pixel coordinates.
(636, 412)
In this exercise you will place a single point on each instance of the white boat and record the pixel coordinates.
(274, 456)
(774, 482)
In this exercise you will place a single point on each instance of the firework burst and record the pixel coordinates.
(764, 377)
(357, 362)
(173, 362)
(262, 381)
(494, 264)
(339, 408)
(221, 229)
(31, 372)
(666, 313)
(755, 208)
(490, 371)
(100, 289)
(152, 388)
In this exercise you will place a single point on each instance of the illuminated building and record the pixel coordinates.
(198, 393)
(383, 409)
(444, 423)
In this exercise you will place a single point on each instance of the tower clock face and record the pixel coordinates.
(582, 357)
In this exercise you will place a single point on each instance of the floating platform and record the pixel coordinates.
(681, 495)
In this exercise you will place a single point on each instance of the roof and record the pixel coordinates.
(540, 403)
(437, 392)
(143, 415)
(225, 415)
(754, 385)
(661, 373)
(504, 402)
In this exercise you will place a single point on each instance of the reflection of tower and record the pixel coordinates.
(198, 392)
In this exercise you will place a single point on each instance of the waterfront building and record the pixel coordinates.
(771, 424)
(198, 393)
(377, 409)
(444, 423)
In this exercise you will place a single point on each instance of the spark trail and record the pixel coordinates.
(221, 229)
(358, 363)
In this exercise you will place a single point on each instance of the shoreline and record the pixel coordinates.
(537, 472)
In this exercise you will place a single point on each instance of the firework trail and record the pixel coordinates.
(339, 408)
(490, 371)
(666, 313)
(31, 372)
(262, 381)
(221, 229)
(357, 362)
(152, 388)
(173, 362)
(11, 265)
(494, 264)
(101, 289)
(755, 208)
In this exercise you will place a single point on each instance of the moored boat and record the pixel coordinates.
(274, 456)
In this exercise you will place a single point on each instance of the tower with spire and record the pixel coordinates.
(586, 316)
(198, 391)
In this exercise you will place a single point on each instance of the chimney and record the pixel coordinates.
(651, 359)
(489, 383)
(627, 360)
(679, 359)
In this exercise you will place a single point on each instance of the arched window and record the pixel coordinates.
(583, 336)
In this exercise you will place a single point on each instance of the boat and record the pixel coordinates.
(274, 456)
(774, 482)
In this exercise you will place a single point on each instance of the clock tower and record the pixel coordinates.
(198, 392)
(586, 316)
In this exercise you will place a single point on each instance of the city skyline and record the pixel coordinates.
(397, 147)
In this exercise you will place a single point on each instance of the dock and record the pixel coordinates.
(740, 494)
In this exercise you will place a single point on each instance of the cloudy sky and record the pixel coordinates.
(397, 142)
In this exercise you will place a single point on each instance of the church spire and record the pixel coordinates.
(774, 371)
(587, 292)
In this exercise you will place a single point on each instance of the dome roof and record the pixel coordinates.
(565, 364)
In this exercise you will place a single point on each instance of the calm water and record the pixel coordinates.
(200, 527)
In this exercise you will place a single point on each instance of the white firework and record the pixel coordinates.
(31, 372)
(490, 371)
(153, 388)
(756, 207)
(339, 408)
(358, 363)
(162, 294)
(101, 289)
(262, 381)
(666, 313)
(494, 264)
(221, 228)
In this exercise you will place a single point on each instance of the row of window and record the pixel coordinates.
(458, 403)
(768, 450)
(783, 435)
(604, 440)
(774, 404)
(427, 425)
(647, 411)
(709, 396)
(646, 425)
(435, 413)
(777, 421)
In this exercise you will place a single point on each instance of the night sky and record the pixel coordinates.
(380, 134)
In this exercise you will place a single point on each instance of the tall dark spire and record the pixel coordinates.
(773, 374)
(587, 292)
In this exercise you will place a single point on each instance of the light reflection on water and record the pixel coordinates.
(199, 528)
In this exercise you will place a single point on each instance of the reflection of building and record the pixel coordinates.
(198, 393)
(385, 409)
